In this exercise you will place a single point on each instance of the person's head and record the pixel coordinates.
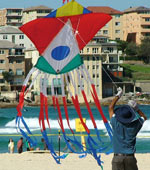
(42, 140)
(125, 114)
(21, 138)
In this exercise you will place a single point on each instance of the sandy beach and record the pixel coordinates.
(44, 161)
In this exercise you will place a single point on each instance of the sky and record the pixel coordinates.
(116, 4)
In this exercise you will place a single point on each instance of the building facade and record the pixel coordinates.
(11, 16)
(32, 13)
(136, 24)
(13, 64)
(16, 36)
(113, 29)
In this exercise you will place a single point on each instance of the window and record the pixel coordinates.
(97, 75)
(97, 67)
(2, 81)
(117, 23)
(22, 45)
(1, 70)
(88, 67)
(94, 50)
(117, 16)
(2, 61)
(81, 51)
(147, 19)
(117, 31)
(93, 75)
(11, 61)
(18, 81)
(88, 50)
(105, 31)
(110, 49)
(97, 58)
(5, 37)
(19, 72)
(21, 36)
(93, 66)
(18, 61)
(2, 52)
(146, 26)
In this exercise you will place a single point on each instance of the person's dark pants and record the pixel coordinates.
(20, 150)
(124, 162)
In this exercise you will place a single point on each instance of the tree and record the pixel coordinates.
(144, 50)
(122, 45)
(8, 76)
(131, 49)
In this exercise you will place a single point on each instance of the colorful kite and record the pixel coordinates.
(59, 37)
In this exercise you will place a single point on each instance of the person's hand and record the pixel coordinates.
(133, 104)
(120, 92)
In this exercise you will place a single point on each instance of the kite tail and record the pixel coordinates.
(94, 152)
(87, 104)
(43, 101)
(19, 118)
(66, 139)
(51, 149)
(62, 127)
(95, 97)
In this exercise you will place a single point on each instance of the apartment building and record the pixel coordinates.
(113, 29)
(11, 16)
(136, 24)
(32, 13)
(11, 61)
(16, 36)
(101, 56)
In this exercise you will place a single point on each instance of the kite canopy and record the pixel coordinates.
(65, 31)
(59, 37)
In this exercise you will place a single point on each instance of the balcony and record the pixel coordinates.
(14, 14)
(14, 21)
(16, 54)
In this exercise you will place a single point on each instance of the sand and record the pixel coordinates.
(44, 161)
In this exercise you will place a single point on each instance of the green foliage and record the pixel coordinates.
(137, 72)
(136, 58)
(8, 76)
(131, 49)
(144, 50)
(137, 68)
(122, 45)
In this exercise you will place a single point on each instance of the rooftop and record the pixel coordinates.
(137, 9)
(4, 44)
(9, 30)
(35, 8)
(104, 9)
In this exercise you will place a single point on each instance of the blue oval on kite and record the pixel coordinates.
(60, 52)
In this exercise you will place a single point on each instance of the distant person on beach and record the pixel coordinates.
(66, 149)
(44, 144)
(20, 145)
(28, 145)
(11, 146)
(126, 121)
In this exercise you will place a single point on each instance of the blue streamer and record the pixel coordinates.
(32, 142)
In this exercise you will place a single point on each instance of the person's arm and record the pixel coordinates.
(142, 114)
(114, 101)
(135, 106)
(112, 105)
